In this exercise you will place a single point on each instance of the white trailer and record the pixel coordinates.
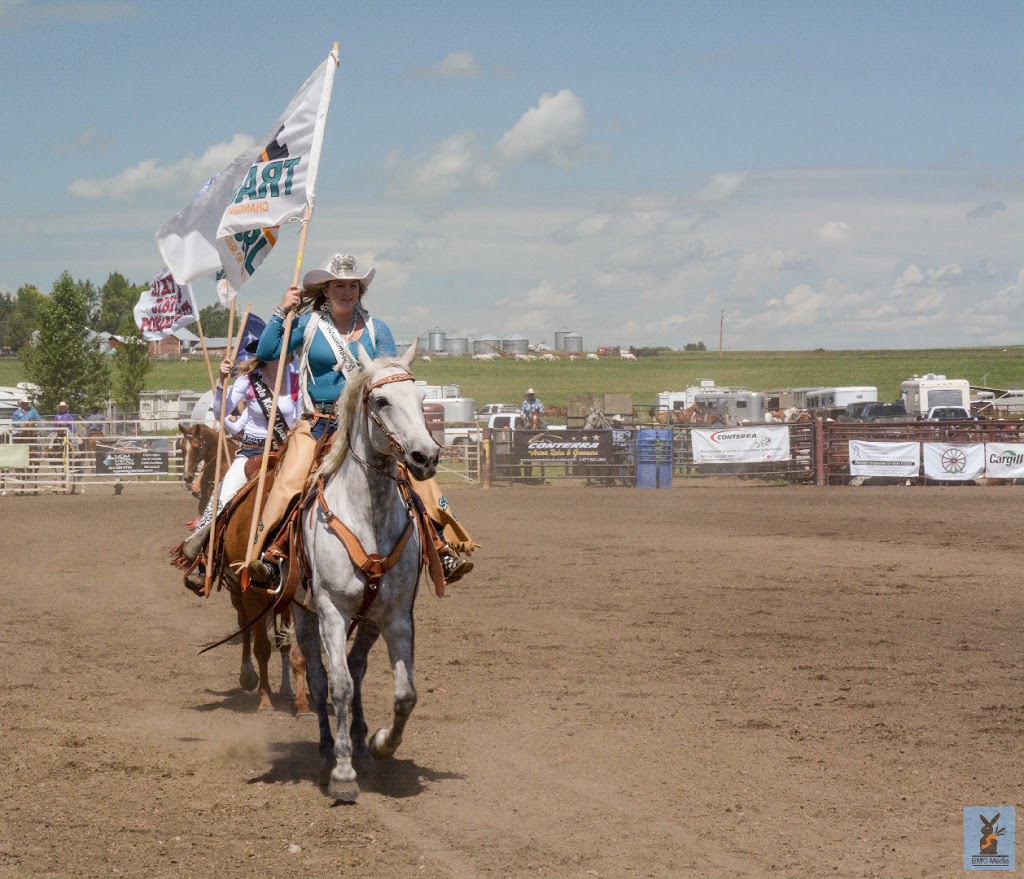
(832, 402)
(923, 392)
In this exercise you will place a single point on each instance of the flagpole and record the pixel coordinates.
(318, 133)
(206, 354)
(222, 440)
(257, 516)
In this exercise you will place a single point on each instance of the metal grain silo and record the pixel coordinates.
(560, 339)
(456, 346)
(516, 344)
(573, 343)
(487, 345)
(435, 341)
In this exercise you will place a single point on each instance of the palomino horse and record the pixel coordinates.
(360, 491)
(199, 454)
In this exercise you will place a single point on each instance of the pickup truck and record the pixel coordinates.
(456, 436)
(949, 413)
(884, 412)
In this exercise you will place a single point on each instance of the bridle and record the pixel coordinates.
(370, 415)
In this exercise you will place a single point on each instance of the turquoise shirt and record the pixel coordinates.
(325, 383)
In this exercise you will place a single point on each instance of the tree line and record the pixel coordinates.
(56, 335)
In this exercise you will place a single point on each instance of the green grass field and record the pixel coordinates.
(507, 380)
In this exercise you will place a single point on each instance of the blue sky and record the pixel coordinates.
(836, 175)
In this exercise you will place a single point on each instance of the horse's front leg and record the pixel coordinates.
(263, 650)
(247, 677)
(334, 635)
(366, 637)
(307, 637)
(399, 637)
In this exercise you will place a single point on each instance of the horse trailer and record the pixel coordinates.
(832, 402)
(731, 407)
(924, 392)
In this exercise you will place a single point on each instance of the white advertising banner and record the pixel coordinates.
(960, 461)
(733, 445)
(884, 459)
(1004, 460)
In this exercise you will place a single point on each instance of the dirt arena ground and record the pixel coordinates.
(725, 679)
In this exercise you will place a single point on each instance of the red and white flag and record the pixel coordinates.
(165, 307)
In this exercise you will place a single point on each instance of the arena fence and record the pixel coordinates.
(812, 452)
(119, 454)
(48, 458)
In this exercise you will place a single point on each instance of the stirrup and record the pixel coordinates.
(195, 581)
(264, 575)
(454, 567)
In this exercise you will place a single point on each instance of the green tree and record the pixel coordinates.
(24, 320)
(117, 301)
(65, 362)
(132, 365)
(8, 304)
(214, 319)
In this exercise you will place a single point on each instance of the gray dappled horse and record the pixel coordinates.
(380, 423)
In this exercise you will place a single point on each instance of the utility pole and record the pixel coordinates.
(721, 328)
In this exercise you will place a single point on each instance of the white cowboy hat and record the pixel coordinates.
(618, 418)
(62, 403)
(340, 267)
(529, 390)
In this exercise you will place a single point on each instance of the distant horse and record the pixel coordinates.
(199, 454)
(366, 584)
(534, 421)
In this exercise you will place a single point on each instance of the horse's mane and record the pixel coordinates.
(348, 410)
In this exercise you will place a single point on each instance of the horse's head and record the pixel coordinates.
(384, 400)
(189, 441)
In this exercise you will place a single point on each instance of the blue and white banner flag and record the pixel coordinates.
(269, 184)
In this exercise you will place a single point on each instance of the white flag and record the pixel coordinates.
(164, 307)
(267, 185)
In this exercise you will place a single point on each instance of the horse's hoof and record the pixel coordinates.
(342, 790)
(381, 747)
(248, 679)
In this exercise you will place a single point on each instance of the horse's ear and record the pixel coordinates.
(410, 355)
(365, 360)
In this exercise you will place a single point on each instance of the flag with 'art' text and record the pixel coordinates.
(230, 226)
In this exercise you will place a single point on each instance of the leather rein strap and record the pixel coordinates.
(371, 564)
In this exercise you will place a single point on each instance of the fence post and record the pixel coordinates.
(819, 451)
(485, 463)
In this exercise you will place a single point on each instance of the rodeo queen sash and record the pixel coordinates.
(264, 397)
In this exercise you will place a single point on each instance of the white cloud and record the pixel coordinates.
(552, 133)
(456, 163)
(457, 65)
(17, 12)
(721, 187)
(834, 230)
(86, 140)
(150, 176)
